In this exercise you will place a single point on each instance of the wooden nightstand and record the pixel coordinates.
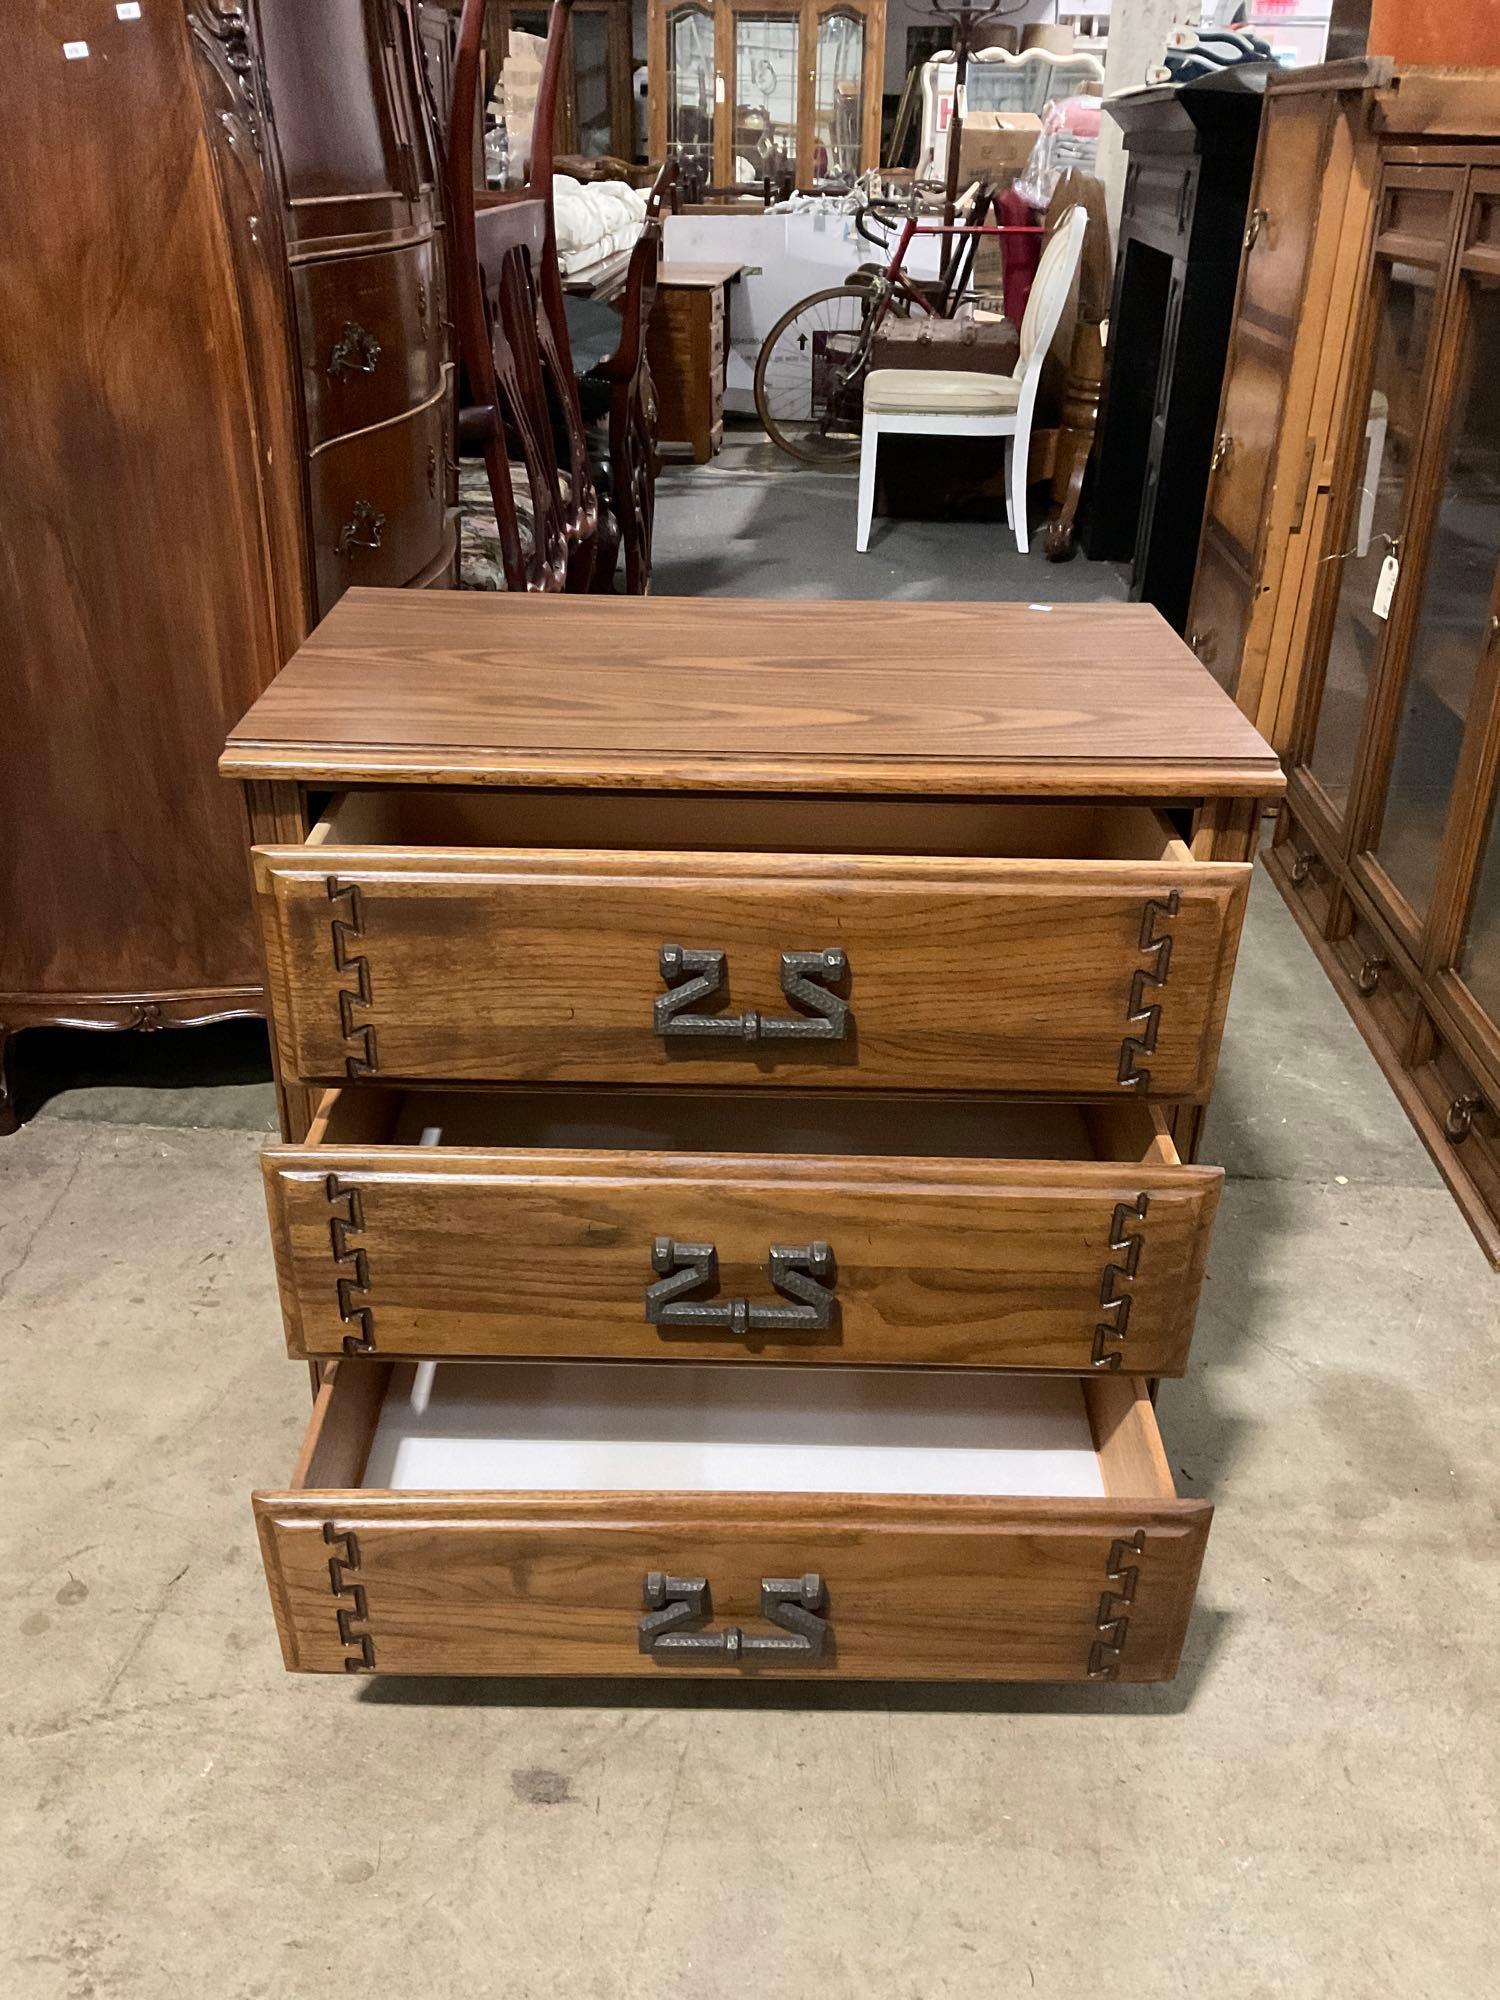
(686, 344)
(744, 1037)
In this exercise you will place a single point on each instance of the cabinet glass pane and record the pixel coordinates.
(1452, 626)
(839, 99)
(690, 89)
(765, 95)
(1479, 957)
(591, 83)
(1385, 451)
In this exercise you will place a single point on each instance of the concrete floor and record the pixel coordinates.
(1308, 1811)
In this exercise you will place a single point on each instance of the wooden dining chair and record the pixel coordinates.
(508, 308)
(632, 405)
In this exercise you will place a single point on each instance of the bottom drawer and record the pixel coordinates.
(639, 1518)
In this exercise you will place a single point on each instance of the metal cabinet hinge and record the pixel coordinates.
(353, 1264)
(349, 1597)
(346, 930)
(805, 1274)
(1113, 1621)
(1145, 1016)
(1127, 1244)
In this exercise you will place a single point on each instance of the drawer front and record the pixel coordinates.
(1072, 1265)
(378, 503)
(371, 336)
(1083, 978)
(555, 1584)
(997, 1588)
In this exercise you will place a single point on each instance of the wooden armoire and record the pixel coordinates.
(1348, 582)
(225, 366)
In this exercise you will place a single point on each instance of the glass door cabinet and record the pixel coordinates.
(743, 91)
(1389, 847)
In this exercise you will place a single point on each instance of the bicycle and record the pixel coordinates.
(810, 372)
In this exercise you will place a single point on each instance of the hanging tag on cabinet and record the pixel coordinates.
(1385, 586)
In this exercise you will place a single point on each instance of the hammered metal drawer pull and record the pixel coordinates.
(363, 531)
(805, 1274)
(694, 977)
(792, 1603)
(355, 352)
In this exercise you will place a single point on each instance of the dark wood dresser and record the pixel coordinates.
(226, 372)
(738, 1177)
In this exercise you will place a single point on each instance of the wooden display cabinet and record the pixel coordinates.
(744, 92)
(1389, 849)
(596, 111)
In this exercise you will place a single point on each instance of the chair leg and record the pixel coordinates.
(1020, 452)
(869, 444)
(1010, 505)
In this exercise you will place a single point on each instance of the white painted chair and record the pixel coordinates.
(943, 402)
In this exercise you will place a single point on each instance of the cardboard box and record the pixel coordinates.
(997, 144)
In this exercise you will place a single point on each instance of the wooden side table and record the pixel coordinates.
(686, 343)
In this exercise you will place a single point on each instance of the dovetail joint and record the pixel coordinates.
(352, 1606)
(346, 929)
(1145, 1016)
(353, 1283)
(1127, 1244)
(1113, 1621)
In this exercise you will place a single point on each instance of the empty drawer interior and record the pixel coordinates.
(807, 1123)
(574, 1427)
(433, 817)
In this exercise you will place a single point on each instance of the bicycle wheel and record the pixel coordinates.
(809, 376)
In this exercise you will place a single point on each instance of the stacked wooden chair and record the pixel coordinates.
(540, 509)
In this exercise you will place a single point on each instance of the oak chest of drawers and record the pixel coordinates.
(741, 1068)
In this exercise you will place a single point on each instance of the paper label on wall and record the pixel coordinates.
(1385, 587)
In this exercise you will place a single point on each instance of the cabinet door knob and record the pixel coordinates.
(355, 352)
(792, 1603)
(1203, 645)
(362, 531)
(804, 1275)
(693, 977)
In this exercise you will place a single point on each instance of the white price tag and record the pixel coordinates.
(1385, 587)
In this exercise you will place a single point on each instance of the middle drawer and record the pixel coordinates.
(672, 1226)
(1059, 950)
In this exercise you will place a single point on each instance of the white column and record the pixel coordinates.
(1138, 31)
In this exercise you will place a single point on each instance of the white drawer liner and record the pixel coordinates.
(744, 1428)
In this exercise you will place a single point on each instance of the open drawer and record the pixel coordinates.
(541, 1518)
(526, 937)
(669, 1225)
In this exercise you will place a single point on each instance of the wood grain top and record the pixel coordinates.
(433, 687)
(684, 272)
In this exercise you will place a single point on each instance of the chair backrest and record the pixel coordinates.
(1049, 292)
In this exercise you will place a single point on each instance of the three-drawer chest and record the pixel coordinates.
(741, 1067)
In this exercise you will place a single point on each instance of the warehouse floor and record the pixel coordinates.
(1309, 1810)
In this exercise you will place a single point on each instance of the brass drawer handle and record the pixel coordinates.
(1255, 223)
(355, 352)
(1204, 645)
(696, 976)
(1302, 868)
(1458, 1120)
(806, 1274)
(362, 532)
(1368, 976)
(1222, 449)
(791, 1602)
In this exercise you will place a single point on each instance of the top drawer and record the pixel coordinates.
(371, 336)
(603, 938)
